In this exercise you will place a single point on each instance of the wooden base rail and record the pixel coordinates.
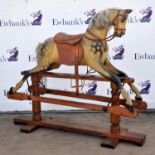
(117, 110)
(111, 137)
(137, 104)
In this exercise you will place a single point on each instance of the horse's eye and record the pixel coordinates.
(123, 19)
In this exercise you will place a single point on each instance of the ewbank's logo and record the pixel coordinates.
(14, 23)
(145, 87)
(119, 52)
(67, 22)
(147, 56)
(37, 17)
(89, 15)
(146, 14)
(13, 54)
(74, 21)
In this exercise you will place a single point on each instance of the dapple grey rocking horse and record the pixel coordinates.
(92, 51)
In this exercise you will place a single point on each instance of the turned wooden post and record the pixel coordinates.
(115, 119)
(36, 105)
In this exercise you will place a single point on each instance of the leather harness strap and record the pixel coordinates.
(94, 37)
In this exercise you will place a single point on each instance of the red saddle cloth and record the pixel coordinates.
(69, 48)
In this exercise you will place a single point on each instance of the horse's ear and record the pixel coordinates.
(128, 10)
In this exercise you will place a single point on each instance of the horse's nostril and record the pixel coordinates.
(123, 33)
(116, 33)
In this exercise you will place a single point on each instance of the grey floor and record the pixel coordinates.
(52, 142)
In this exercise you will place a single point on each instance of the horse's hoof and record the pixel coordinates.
(122, 78)
(129, 107)
(10, 91)
(24, 72)
(138, 98)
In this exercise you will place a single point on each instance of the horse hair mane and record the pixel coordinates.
(102, 18)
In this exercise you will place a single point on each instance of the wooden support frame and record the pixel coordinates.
(111, 136)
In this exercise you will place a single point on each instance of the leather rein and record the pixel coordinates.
(110, 37)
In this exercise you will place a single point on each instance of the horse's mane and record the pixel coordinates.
(102, 18)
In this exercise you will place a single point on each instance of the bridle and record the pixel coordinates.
(94, 37)
(116, 21)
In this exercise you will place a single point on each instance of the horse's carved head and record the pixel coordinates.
(119, 22)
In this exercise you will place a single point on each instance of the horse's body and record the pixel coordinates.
(95, 51)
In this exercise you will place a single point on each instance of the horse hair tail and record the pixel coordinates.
(39, 49)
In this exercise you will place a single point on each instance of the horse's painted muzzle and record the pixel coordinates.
(119, 33)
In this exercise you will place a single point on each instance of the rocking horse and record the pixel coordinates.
(87, 49)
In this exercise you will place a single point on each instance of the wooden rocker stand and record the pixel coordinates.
(111, 137)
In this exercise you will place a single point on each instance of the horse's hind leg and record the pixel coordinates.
(27, 73)
(138, 96)
(40, 68)
(47, 59)
(18, 85)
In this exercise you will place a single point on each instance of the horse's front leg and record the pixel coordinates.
(123, 75)
(116, 71)
(104, 71)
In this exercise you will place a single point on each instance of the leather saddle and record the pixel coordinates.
(69, 48)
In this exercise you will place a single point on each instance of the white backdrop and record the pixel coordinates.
(25, 23)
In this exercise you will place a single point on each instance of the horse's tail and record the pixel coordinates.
(39, 49)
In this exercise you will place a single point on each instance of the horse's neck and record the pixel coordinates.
(101, 33)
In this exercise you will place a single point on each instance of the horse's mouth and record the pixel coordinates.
(119, 34)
